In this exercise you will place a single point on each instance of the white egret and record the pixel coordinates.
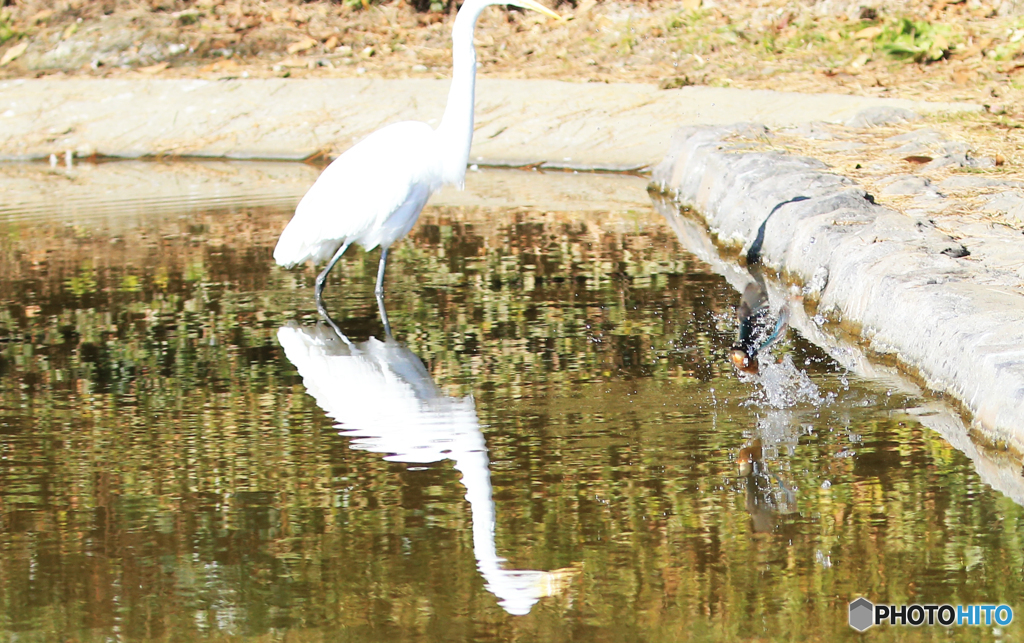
(383, 398)
(374, 192)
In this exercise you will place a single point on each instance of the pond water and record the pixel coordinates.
(553, 447)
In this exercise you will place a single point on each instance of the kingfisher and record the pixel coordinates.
(754, 319)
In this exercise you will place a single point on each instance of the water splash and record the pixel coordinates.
(782, 385)
(778, 428)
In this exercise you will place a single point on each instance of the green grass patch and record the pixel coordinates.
(915, 40)
(6, 28)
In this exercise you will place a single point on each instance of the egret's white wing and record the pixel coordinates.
(354, 198)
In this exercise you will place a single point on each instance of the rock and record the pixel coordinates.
(912, 148)
(969, 182)
(924, 136)
(1006, 202)
(878, 116)
(815, 131)
(961, 160)
(909, 184)
(955, 147)
(956, 251)
(1016, 215)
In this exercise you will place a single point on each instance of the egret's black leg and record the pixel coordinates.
(384, 316)
(321, 279)
(379, 290)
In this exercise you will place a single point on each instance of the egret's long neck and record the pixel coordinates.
(456, 129)
(517, 589)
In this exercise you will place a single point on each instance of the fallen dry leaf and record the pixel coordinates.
(964, 76)
(13, 53)
(152, 69)
(42, 16)
(301, 45)
(920, 160)
(221, 65)
(868, 33)
(293, 63)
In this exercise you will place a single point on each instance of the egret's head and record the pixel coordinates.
(535, 6)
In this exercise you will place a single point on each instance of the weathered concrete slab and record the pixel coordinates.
(910, 290)
(595, 125)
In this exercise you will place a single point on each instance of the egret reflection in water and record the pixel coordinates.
(382, 397)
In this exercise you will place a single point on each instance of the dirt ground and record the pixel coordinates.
(950, 50)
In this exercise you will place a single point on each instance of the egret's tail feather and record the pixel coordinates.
(292, 249)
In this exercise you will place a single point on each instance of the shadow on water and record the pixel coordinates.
(179, 461)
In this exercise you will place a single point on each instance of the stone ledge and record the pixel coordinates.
(999, 469)
(518, 122)
(900, 282)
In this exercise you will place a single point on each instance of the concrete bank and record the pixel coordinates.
(518, 122)
(906, 289)
(999, 469)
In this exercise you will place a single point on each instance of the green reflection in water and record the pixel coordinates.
(164, 474)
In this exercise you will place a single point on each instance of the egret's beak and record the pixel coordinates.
(538, 7)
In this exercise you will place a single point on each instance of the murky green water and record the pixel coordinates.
(166, 475)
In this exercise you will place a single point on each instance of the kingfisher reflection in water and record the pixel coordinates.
(768, 495)
(382, 397)
(758, 328)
